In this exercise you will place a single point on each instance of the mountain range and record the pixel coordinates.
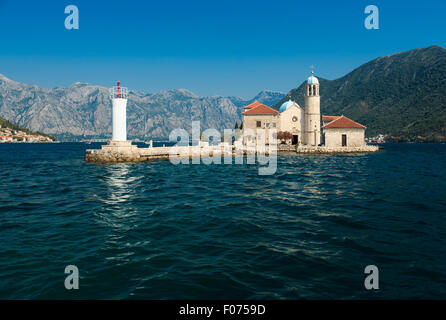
(402, 95)
(84, 111)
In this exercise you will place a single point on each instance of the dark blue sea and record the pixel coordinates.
(155, 230)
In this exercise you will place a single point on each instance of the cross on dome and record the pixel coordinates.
(312, 79)
(312, 69)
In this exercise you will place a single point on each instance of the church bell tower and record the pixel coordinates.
(312, 112)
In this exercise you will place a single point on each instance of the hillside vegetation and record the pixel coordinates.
(403, 95)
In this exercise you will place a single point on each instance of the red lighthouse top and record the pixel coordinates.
(118, 92)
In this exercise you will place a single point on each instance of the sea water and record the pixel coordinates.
(155, 230)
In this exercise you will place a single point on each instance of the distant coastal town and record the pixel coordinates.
(10, 132)
(10, 135)
(380, 138)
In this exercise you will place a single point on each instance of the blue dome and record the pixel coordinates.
(312, 80)
(285, 105)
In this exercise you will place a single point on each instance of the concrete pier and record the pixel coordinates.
(124, 151)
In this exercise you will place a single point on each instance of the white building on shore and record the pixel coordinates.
(302, 126)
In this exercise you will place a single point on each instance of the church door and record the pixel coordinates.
(344, 140)
(295, 139)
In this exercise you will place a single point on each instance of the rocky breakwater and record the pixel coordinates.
(115, 151)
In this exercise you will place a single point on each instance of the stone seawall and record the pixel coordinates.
(286, 148)
(323, 149)
(311, 149)
(124, 151)
(101, 156)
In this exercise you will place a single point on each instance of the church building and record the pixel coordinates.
(302, 126)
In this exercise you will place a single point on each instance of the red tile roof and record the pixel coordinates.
(329, 118)
(252, 105)
(343, 122)
(260, 109)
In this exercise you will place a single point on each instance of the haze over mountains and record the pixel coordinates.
(403, 95)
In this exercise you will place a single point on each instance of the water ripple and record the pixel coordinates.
(158, 231)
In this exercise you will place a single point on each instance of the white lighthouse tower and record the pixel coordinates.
(118, 149)
(119, 95)
(119, 142)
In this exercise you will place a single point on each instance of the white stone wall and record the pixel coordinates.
(355, 137)
(286, 122)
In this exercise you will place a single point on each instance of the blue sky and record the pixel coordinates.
(210, 47)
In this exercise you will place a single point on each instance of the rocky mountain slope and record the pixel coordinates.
(84, 110)
(403, 95)
(267, 97)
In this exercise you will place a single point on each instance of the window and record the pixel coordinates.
(267, 124)
(258, 124)
(274, 125)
